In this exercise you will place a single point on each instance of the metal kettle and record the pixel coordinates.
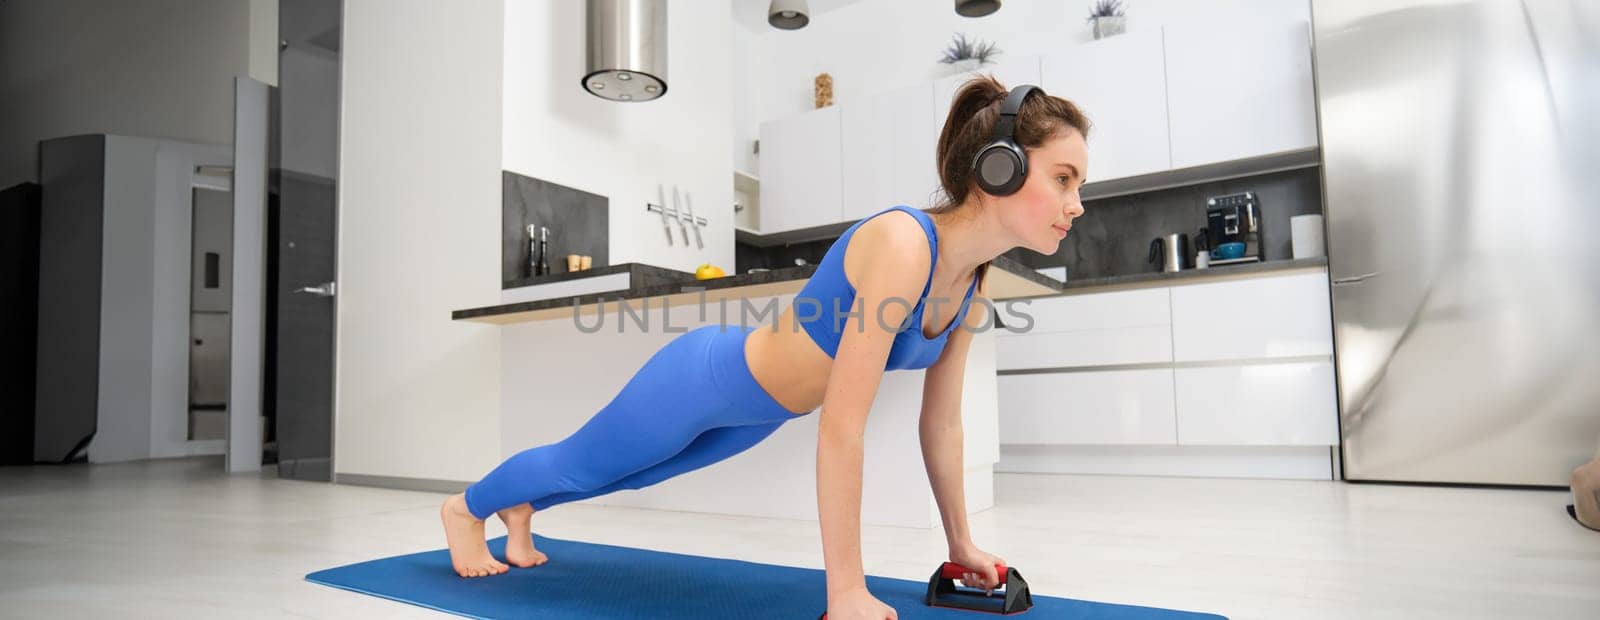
(1168, 252)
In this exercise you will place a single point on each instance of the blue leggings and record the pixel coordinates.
(693, 403)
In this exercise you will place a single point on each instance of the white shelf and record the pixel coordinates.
(745, 181)
(747, 193)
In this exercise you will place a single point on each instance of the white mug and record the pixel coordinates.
(1202, 259)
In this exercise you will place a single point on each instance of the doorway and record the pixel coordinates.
(210, 303)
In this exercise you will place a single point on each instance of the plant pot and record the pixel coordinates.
(966, 65)
(1108, 26)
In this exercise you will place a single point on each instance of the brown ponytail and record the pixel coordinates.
(970, 127)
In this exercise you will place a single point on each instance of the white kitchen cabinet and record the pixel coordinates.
(913, 167)
(1238, 89)
(888, 151)
(1120, 84)
(1268, 317)
(1085, 347)
(1230, 377)
(1137, 308)
(1010, 72)
(1127, 327)
(801, 184)
(1272, 404)
(1125, 407)
(866, 149)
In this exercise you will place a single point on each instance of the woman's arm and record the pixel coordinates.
(878, 259)
(941, 434)
(940, 427)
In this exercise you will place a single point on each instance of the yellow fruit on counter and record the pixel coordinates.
(708, 271)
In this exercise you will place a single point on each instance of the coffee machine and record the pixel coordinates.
(1233, 229)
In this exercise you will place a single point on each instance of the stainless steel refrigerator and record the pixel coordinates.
(1461, 172)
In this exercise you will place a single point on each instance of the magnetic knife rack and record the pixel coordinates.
(673, 213)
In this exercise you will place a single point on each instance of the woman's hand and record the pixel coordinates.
(975, 559)
(858, 604)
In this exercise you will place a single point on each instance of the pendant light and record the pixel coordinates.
(788, 14)
(976, 8)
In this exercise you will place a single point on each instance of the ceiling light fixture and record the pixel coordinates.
(976, 8)
(788, 14)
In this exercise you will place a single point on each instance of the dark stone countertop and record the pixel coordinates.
(643, 275)
(652, 281)
(1090, 285)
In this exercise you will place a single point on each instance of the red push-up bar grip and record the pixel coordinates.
(951, 570)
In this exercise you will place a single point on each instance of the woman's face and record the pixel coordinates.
(1041, 213)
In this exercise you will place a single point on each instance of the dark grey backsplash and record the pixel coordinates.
(1113, 236)
(747, 256)
(578, 223)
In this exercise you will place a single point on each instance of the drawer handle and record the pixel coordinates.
(1355, 279)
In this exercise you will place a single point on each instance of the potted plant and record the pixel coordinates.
(1107, 17)
(964, 55)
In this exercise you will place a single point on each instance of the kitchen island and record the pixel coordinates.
(567, 351)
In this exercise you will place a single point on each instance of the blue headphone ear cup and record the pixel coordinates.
(1001, 168)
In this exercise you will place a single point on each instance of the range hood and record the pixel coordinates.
(627, 59)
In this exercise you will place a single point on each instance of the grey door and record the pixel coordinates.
(305, 315)
(306, 105)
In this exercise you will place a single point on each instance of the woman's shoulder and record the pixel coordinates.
(897, 231)
(894, 241)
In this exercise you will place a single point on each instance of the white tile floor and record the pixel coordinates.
(178, 538)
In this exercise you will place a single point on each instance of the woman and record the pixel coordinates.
(875, 303)
(1585, 506)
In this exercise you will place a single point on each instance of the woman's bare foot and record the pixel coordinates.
(464, 533)
(519, 536)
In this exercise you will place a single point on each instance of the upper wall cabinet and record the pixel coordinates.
(1120, 84)
(1157, 100)
(1238, 90)
(801, 185)
(1011, 72)
(888, 156)
(914, 161)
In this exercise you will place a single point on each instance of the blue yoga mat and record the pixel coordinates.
(586, 580)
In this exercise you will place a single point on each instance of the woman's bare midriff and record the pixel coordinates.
(788, 364)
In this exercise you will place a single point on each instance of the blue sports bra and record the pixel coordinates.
(829, 295)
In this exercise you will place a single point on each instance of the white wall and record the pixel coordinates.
(557, 132)
(435, 105)
(853, 44)
(418, 394)
(744, 127)
(154, 68)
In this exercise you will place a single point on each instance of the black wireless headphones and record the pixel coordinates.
(1002, 165)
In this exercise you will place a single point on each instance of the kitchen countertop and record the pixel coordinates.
(1008, 279)
(1188, 276)
(642, 275)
